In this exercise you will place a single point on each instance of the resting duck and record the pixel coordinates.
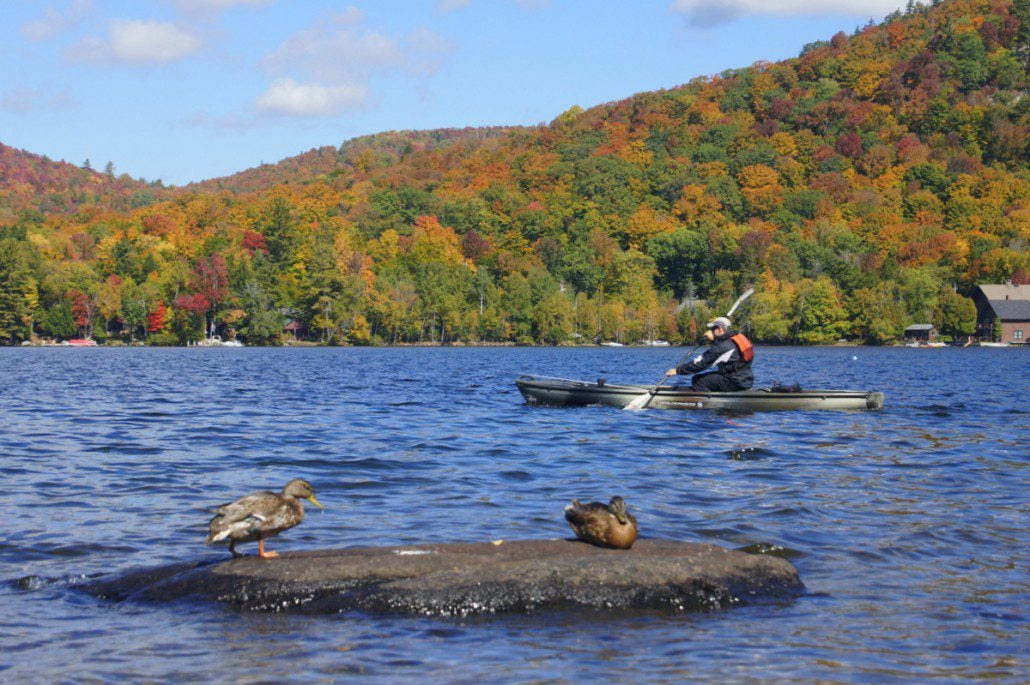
(604, 525)
(261, 515)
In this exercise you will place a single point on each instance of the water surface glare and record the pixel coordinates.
(908, 525)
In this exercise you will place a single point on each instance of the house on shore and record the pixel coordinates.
(294, 330)
(921, 332)
(1007, 304)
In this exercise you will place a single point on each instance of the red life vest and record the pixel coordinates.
(747, 352)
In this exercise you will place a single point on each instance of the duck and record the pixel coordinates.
(261, 515)
(604, 525)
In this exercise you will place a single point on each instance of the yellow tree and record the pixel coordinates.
(644, 224)
(109, 300)
(696, 205)
(760, 186)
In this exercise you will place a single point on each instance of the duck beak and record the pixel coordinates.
(315, 502)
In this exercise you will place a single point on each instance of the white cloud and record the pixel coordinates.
(350, 16)
(287, 97)
(451, 5)
(712, 12)
(446, 6)
(427, 51)
(26, 100)
(215, 6)
(335, 53)
(56, 21)
(328, 68)
(137, 43)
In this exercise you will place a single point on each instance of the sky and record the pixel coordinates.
(187, 90)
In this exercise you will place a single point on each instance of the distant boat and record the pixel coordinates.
(994, 344)
(216, 341)
(611, 344)
(82, 342)
(656, 343)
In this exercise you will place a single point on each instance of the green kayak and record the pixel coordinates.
(563, 392)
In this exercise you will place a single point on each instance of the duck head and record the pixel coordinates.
(617, 506)
(301, 489)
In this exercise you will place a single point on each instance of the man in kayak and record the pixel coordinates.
(729, 352)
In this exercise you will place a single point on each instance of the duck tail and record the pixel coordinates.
(217, 537)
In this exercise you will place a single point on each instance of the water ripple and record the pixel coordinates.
(907, 525)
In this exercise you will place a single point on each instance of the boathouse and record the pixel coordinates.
(1006, 304)
(294, 330)
(921, 332)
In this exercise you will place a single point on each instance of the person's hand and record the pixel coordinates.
(670, 372)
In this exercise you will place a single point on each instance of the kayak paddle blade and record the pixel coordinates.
(639, 402)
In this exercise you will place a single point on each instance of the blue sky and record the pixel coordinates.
(185, 90)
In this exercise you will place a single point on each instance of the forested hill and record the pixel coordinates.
(327, 163)
(34, 182)
(855, 186)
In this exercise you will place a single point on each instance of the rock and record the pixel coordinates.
(472, 578)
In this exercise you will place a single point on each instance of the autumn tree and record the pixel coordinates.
(157, 318)
(84, 312)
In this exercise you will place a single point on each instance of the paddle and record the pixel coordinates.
(642, 401)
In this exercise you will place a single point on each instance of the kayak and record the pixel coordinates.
(563, 392)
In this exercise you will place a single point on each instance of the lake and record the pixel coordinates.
(908, 525)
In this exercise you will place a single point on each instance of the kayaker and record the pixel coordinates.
(729, 351)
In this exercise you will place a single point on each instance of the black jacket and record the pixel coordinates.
(725, 355)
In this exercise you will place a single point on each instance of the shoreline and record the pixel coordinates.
(300, 345)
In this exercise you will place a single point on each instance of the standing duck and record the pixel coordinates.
(604, 525)
(261, 515)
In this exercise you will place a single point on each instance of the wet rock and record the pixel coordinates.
(472, 578)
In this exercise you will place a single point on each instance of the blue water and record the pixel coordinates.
(909, 524)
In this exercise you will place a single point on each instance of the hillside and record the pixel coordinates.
(33, 182)
(856, 186)
(320, 164)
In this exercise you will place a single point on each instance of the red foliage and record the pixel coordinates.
(833, 184)
(754, 244)
(822, 153)
(156, 318)
(859, 113)
(766, 128)
(254, 242)
(197, 304)
(475, 246)
(158, 224)
(210, 280)
(911, 149)
(850, 145)
(780, 109)
(84, 309)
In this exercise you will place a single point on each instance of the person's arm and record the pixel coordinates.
(698, 363)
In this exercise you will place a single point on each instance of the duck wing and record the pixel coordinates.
(590, 521)
(260, 512)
